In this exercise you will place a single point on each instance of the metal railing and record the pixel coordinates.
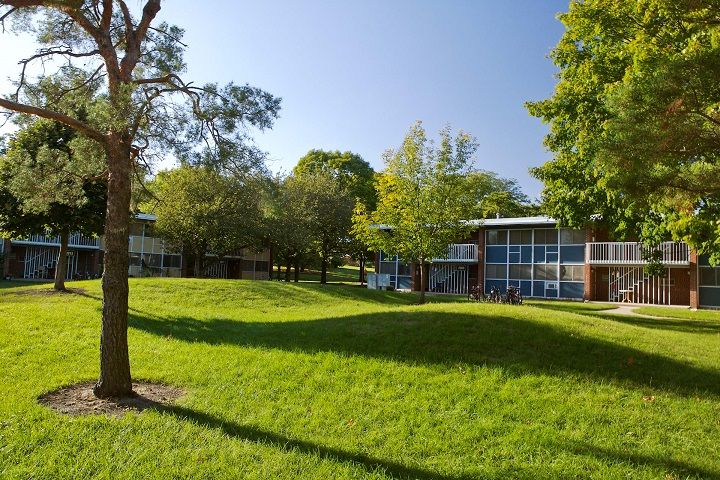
(635, 253)
(76, 241)
(459, 252)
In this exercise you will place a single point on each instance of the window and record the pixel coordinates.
(546, 236)
(708, 277)
(149, 230)
(387, 267)
(572, 237)
(172, 261)
(572, 273)
(496, 271)
(261, 266)
(520, 237)
(403, 269)
(134, 259)
(154, 260)
(545, 272)
(520, 272)
(497, 237)
(247, 265)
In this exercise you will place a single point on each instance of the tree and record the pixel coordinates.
(352, 172)
(46, 188)
(201, 211)
(424, 198)
(327, 208)
(288, 223)
(355, 175)
(635, 127)
(127, 72)
(495, 195)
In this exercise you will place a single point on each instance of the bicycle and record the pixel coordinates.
(513, 296)
(476, 293)
(495, 295)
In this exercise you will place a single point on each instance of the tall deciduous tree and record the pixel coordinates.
(352, 172)
(202, 211)
(327, 207)
(635, 125)
(288, 223)
(138, 106)
(46, 188)
(424, 198)
(495, 195)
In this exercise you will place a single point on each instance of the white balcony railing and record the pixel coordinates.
(459, 252)
(634, 253)
(75, 241)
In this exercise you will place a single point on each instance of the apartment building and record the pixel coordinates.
(35, 257)
(531, 253)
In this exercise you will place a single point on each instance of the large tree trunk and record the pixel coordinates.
(288, 263)
(61, 267)
(115, 378)
(422, 280)
(323, 270)
(296, 278)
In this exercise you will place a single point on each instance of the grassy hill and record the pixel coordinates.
(308, 381)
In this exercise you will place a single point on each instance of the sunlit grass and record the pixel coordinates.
(308, 381)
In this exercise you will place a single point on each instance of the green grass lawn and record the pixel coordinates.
(684, 313)
(347, 274)
(307, 381)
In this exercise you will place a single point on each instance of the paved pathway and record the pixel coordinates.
(628, 310)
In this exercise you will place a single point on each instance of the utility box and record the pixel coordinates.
(378, 281)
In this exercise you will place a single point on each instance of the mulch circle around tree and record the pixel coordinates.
(80, 400)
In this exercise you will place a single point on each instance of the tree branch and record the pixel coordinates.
(106, 15)
(74, 123)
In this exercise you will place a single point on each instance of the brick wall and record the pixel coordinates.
(693, 293)
(481, 258)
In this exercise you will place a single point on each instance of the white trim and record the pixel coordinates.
(498, 222)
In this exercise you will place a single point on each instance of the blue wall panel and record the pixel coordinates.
(572, 254)
(571, 290)
(710, 296)
(495, 254)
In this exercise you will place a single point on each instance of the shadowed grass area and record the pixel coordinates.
(309, 381)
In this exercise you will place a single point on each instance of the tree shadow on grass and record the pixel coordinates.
(287, 444)
(679, 469)
(666, 323)
(399, 471)
(658, 323)
(517, 345)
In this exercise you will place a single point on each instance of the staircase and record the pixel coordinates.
(632, 285)
(448, 278)
(39, 261)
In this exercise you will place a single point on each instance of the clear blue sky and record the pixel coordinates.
(355, 75)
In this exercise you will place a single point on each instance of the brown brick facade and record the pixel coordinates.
(694, 294)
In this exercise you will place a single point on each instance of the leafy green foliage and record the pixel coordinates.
(200, 210)
(424, 197)
(51, 181)
(353, 173)
(634, 120)
(498, 196)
